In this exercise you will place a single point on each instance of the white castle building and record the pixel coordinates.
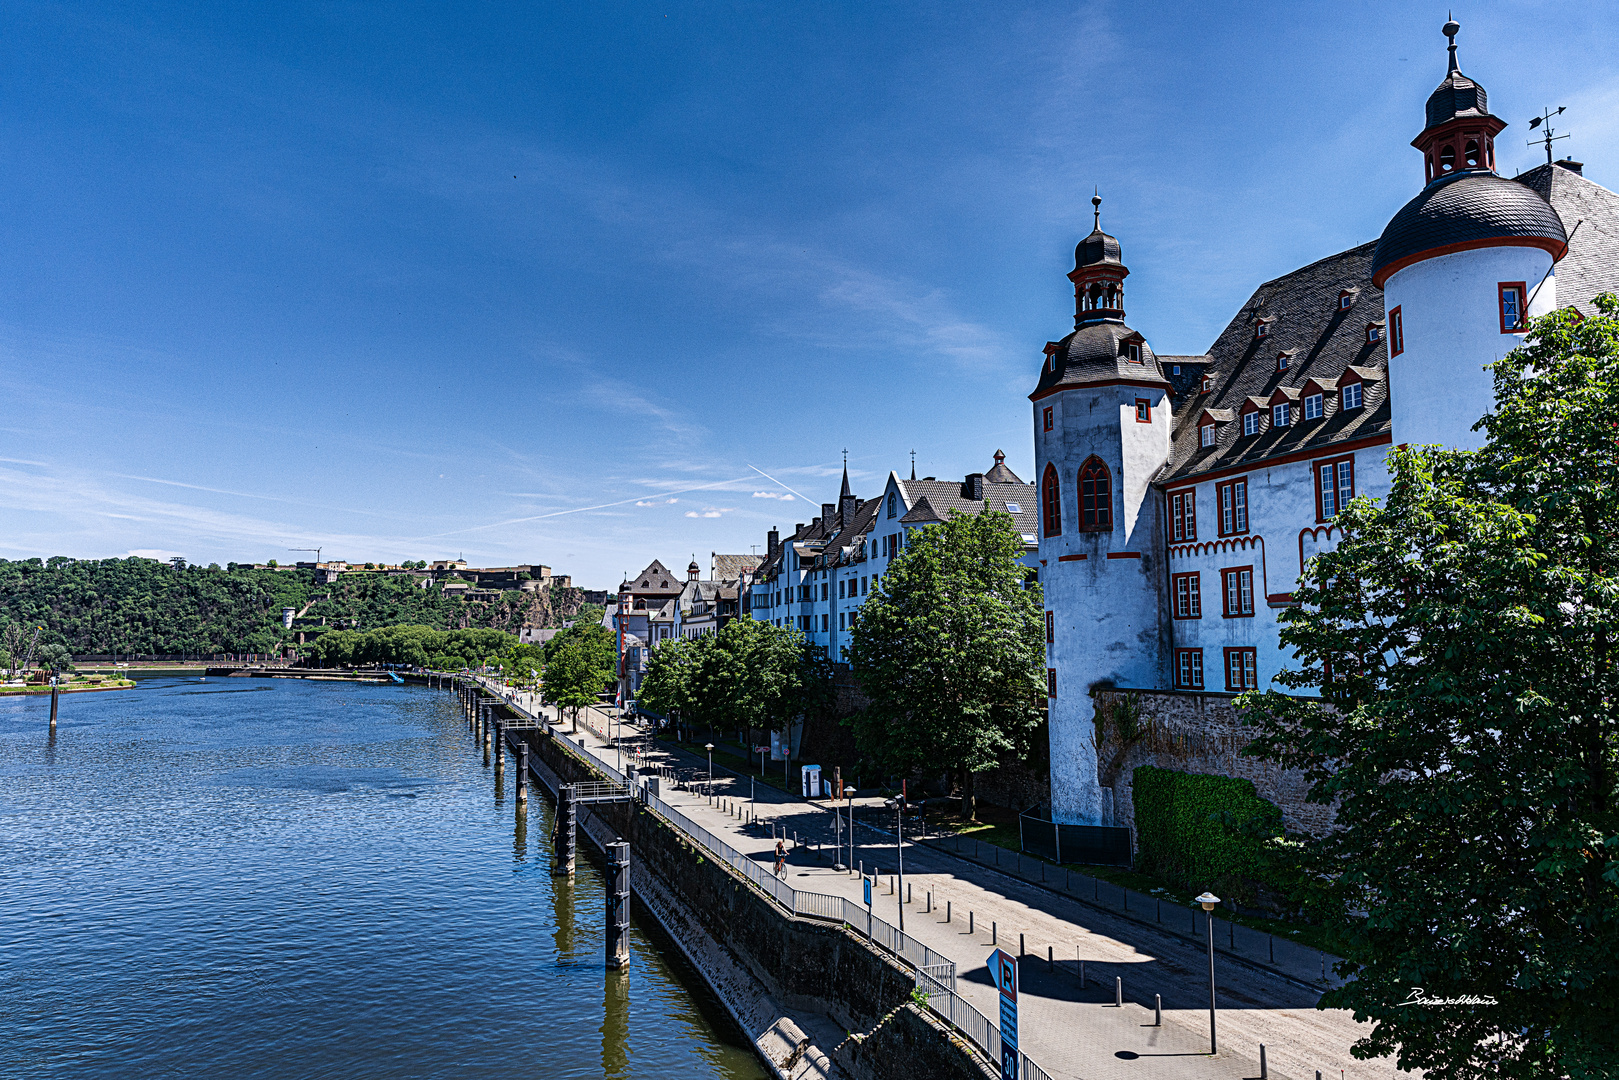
(1180, 496)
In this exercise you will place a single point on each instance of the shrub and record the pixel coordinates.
(1203, 831)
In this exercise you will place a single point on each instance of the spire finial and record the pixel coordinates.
(845, 492)
(1450, 30)
(913, 464)
(1096, 201)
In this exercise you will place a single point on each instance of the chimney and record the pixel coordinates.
(1575, 167)
(773, 543)
(827, 510)
(847, 505)
(973, 488)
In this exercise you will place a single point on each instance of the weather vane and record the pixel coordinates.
(1548, 138)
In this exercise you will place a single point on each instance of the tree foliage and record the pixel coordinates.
(579, 664)
(417, 646)
(1465, 636)
(950, 650)
(749, 676)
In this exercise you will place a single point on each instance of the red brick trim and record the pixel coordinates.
(1554, 248)
(1142, 383)
(1070, 558)
(1285, 459)
(1123, 555)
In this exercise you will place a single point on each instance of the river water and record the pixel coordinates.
(274, 878)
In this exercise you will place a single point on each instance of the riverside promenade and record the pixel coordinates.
(1072, 1031)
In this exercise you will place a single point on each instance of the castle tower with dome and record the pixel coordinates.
(1180, 496)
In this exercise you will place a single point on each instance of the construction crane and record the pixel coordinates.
(316, 550)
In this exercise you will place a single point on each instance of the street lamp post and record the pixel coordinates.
(848, 802)
(899, 853)
(710, 748)
(1208, 900)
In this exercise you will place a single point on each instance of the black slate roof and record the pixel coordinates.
(1462, 207)
(1097, 353)
(1456, 96)
(1591, 213)
(933, 500)
(1325, 340)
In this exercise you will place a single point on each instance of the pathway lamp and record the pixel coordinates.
(848, 800)
(710, 748)
(1208, 900)
(898, 806)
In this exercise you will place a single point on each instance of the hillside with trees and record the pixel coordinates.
(138, 605)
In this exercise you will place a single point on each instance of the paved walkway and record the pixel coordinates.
(1071, 1031)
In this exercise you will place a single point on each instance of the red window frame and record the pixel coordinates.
(1051, 628)
(1522, 292)
(1233, 599)
(1051, 501)
(1231, 502)
(1317, 469)
(1183, 515)
(1047, 418)
(1051, 682)
(1143, 411)
(1243, 662)
(1186, 596)
(1396, 332)
(1188, 669)
(1095, 496)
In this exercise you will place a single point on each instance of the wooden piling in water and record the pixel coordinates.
(562, 841)
(54, 691)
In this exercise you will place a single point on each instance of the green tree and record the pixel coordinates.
(579, 663)
(1464, 636)
(951, 650)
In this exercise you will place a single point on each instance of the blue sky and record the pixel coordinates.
(561, 283)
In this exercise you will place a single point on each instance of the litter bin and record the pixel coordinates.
(812, 781)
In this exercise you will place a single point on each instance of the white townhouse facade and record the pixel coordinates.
(816, 580)
(1181, 496)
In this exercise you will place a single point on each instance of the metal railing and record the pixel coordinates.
(935, 975)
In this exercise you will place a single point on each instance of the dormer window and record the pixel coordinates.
(1346, 300)
(1313, 406)
(1261, 329)
(1207, 434)
(1350, 397)
(1250, 423)
(1208, 383)
(1282, 359)
(1279, 414)
(1374, 332)
(1132, 351)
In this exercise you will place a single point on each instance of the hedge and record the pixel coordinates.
(1191, 829)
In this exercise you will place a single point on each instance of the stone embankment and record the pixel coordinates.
(816, 999)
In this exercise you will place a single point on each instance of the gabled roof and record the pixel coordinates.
(732, 567)
(1591, 213)
(1328, 340)
(943, 496)
(656, 578)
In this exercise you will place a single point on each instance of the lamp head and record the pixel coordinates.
(708, 746)
(1208, 900)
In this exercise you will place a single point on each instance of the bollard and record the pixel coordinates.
(971, 916)
(948, 904)
(994, 933)
(930, 900)
(907, 892)
(618, 904)
(54, 690)
(1118, 991)
(1020, 949)
(522, 772)
(562, 842)
(1051, 957)
(1158, 1021)
(1264, 1070)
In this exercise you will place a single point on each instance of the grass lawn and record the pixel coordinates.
(999, 826)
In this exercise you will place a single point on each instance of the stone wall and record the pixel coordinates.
(1198, 733)
(815, 968)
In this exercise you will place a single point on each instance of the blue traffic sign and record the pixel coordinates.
(868, 890)
(1003, 969)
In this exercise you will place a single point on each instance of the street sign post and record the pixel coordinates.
(1003, 968)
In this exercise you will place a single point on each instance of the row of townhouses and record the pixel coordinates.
(1177, 498)
(655, 606)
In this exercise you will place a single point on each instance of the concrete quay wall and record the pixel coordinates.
(816, 999)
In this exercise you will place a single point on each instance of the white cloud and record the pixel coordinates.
(783, 496)
(711, 512)
(657, 502)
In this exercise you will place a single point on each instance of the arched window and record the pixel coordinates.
(893, 503)
(1447, 159)
(1471, 153)
(1095, 497)
(1051, 501)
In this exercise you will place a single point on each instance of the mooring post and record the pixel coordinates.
(500, 752)
(522, 772)
(618, 904)
(1264, 1070)
(1158, 1021)
(562, 842)
(54, 690)
(1118, 991)
(488, 740)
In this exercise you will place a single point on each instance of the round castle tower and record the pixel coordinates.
(1101, 433)
(1462, 267)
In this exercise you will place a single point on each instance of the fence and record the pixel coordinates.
(1105, 845)
(935, 974)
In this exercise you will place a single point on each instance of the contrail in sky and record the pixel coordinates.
(773, 480)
